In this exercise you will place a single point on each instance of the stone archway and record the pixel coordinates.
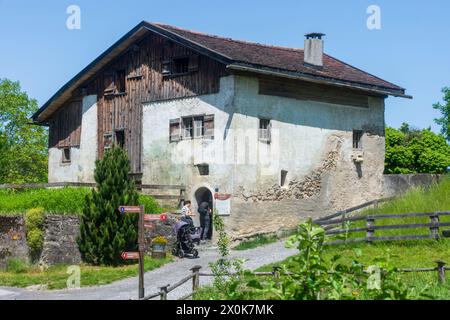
(203, 194)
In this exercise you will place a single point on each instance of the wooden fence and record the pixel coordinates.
(276, 274)
(433, 227)
(180, 197)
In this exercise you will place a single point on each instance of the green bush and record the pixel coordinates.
(415, 151)
(105, 232)
(17, 266)
(34, 218)
(34, 222)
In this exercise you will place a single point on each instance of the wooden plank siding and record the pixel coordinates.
(65, 126)
(302, 90)
(142, 64)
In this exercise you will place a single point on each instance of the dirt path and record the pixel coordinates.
(168, 274)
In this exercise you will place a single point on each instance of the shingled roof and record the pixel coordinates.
(237, 55)
(281, 59)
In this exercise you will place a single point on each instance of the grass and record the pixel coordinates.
(411, 254)
(56, 277)
(255, 242)
(420, 199)
(67, 200)
(403, 254)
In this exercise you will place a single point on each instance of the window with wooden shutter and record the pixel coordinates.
(175, 130)
(208, 125)
(109, 84)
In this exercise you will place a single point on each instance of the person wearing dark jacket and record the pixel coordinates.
(205, 220)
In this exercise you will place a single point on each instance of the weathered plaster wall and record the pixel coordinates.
(312, 141)
(81, 167)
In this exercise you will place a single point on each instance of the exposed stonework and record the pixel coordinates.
(305, 188)
(60, 246)
(13, 242)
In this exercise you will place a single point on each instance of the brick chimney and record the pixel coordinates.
(314, 49)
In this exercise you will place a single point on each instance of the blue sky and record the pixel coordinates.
(412, 49)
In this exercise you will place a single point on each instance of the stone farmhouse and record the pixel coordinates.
(269, 134)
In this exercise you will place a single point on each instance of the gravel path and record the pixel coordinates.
(168, 274)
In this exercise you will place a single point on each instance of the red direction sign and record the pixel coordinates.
(130, 209)
(130, 255)
(155, 217)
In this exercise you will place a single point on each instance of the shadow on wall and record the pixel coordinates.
(250, 102)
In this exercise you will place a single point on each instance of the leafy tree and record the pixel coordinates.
(444, 109)
(415, 151)
(104, 232)
(23, 146)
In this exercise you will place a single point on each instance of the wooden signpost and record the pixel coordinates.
(141, 243)
(141, 239)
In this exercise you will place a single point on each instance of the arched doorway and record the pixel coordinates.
(203, 194)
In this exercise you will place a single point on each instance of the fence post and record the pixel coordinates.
(441, 271)
(196, 278)
(370, 231)
(163, 292)
(434, 230)
(276, 275)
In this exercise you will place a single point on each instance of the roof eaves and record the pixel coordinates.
(318, 79)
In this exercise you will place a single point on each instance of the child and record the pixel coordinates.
(186, 213)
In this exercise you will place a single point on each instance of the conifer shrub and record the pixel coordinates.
(105, 232)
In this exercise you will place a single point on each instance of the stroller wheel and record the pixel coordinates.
(174, 251)
(180, 253)
(195, 253)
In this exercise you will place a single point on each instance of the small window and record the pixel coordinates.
(120, 138)
(180, 65)
(121, 81)
(264, 130)
(174, 130)
(203, 169)
(66, 155)
(357, 139)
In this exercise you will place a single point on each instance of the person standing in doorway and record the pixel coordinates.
(205, 219)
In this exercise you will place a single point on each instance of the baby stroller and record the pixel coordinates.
(187, 235)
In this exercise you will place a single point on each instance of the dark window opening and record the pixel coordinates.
(264, 133)
(121, 81)
(357, 139)
(120, 138)
(66, 155)
(283, 178)
(180, 65)
(203, 169)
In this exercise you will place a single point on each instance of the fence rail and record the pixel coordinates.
(196, 274)
(140, 187)
(433, 227)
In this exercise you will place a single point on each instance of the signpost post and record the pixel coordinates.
(141, 244)
(141, 239)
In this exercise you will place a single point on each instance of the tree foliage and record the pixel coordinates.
(23, 146)
(411, 150)
(104, 232)
(444, 109)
